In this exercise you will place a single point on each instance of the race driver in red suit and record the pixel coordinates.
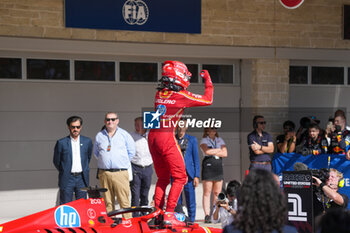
(173, 97)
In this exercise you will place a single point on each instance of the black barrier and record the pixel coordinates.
(297, 186)
(285, 162)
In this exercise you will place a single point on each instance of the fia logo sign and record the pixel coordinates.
(135, 12)
(297, 213)
(67, 216)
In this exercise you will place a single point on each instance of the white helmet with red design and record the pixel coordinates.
(176, 73)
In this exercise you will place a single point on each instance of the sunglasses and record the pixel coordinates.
(111, 119)
(262, 122)
(75, 127)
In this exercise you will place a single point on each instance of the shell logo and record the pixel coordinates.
(165, 94)
(91, 222)
(291, 4)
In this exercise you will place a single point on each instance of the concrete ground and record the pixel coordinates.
(20, 203)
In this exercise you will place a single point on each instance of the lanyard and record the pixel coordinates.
(109, 144)
(109, 140)
(212, 143)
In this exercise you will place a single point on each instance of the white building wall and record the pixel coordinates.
(33, 116)
(319, 100)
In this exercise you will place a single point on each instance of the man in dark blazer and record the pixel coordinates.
(71, 158)
(189, 149)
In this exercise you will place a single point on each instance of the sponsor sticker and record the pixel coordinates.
(180, 217)
(151, 120)
(91, 213)
(67, 216)
(291, 4)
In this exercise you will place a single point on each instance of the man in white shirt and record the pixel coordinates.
(72, 156)
(141, 167)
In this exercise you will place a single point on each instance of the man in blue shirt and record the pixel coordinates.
(189, 148)
(114, 149)
(260, 145)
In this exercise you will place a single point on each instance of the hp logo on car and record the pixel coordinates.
(66, 216)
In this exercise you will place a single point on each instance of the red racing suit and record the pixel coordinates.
(166, 153)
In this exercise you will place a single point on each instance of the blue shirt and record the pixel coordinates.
(115, 152)
(264, 141)
(191, 157)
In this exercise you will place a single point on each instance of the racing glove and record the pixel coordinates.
(205, 74)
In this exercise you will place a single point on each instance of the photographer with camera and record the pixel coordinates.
(340, 137)
(286, 142)
(314, 143)
(326, 196)
(226, 205)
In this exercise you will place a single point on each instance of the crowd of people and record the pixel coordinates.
(117, 151)
(133, 152)
(311, 138)
(308, 139)
(124, 162)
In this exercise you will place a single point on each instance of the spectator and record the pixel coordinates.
(329, 130)
(303, 131)
(286, 142)
(262, 206)
(214, 149)
(326, 194)
(341, 113)
(314, 143)
(339, 140)
(72, 156)
(141, 167)
(189, 148)
(260, 145)
(336, 220)
(114, 148)
(225, 209)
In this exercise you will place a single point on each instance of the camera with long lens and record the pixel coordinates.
(334, 136)
(322, 174)
(300, 149)
(306, 151)
(337, 129)
(222, 198)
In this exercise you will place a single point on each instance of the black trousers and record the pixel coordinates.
(140, 185)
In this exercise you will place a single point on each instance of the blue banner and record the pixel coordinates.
(183, 16)
(285, 162)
